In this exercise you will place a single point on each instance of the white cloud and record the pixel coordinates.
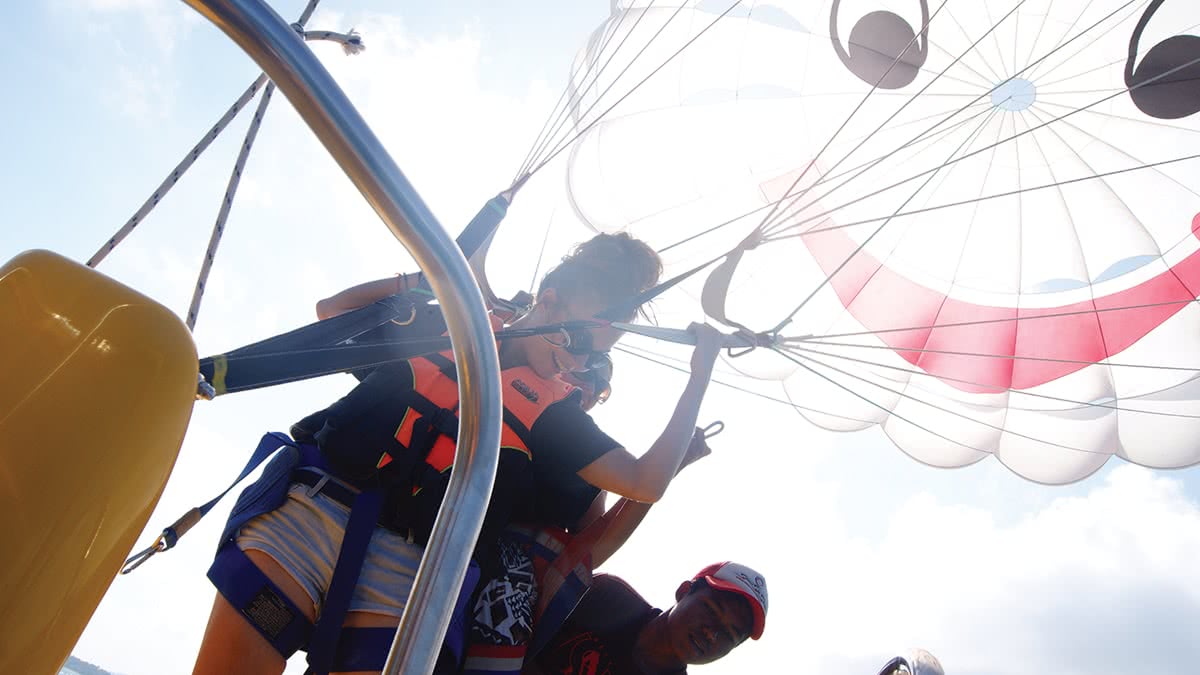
(144, 34)
(1101, 584)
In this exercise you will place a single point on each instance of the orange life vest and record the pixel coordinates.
(429, 422)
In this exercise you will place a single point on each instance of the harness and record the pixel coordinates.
(398, 494)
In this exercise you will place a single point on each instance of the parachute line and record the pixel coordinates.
(802, 364)
(828, 178)
(651, 357)
(905, 394)
(999, 195)
(829, 277)
(924, 30)
(951, 116)
(1021, 392)
(981, 322)
(558, 117)
(973, 153)
(676, 53)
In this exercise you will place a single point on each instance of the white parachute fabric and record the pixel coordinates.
(969, 222)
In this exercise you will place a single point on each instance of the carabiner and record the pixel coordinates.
(713, 429)
(135, 561)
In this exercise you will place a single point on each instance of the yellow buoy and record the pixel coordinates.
(97, 383)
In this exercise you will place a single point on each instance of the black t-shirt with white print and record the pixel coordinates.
(598, 637)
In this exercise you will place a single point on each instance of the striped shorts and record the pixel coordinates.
(304, 536)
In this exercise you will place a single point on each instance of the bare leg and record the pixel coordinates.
(231, 645)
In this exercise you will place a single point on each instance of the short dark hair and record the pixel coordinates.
(614, 267)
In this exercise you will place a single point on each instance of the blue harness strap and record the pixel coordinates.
(364, 514)
(260, 601)
(236, 577)
(366, 648)
(170, 535)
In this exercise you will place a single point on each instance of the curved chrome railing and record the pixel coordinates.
(282, 54)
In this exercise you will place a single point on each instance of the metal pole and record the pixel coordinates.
(282, 54)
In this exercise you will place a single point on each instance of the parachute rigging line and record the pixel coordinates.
(1034, 70)
(856, 394)
(767, 221)
(906, 395)
(1037, 108)
(981, 322)
(1034, 111)
(771, 233)
(1028, 131)
(998, 195)
(949, 117)
(951, 162)
(654, 358)
(541, 254)
(902, 52)
(562, 111)
(828, 177)
(1009, 390)
(931, 175)
(567, 143)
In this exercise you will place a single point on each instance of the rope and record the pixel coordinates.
(226, 204)
(351, 43)
(173, 177)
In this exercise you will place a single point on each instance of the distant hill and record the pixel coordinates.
(76, 666)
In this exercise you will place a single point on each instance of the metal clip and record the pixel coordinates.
(135, 561)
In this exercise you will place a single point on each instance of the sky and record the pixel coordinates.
(866, 552)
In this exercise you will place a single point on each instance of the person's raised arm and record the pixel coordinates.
(626, 515)
(646, 478)
(364, 294)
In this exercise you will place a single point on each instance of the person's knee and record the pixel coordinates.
(232, 645)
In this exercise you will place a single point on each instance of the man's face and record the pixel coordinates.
(707, 624)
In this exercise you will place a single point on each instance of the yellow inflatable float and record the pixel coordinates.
(97, 383)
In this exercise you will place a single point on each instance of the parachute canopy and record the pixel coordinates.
(971, 223)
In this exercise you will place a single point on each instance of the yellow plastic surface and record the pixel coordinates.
(97, 384)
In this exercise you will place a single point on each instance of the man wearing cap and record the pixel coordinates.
(613, 631)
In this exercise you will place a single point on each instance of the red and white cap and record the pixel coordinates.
(730, 576)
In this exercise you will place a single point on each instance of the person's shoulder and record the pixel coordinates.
(570, 401)
(612, 600)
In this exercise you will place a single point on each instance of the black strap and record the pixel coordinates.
(517, 426)
(445, 365)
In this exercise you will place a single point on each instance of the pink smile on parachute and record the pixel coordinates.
(986, 348)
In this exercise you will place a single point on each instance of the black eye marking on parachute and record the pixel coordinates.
(1170, 96)
(879, 40)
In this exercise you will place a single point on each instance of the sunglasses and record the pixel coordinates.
(601, 387)
(594, 384)
(579, 343)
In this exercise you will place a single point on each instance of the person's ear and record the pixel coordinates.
(684, 589)
(549, 300)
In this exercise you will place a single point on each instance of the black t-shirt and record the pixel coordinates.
(564, 439)
(598, 637)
